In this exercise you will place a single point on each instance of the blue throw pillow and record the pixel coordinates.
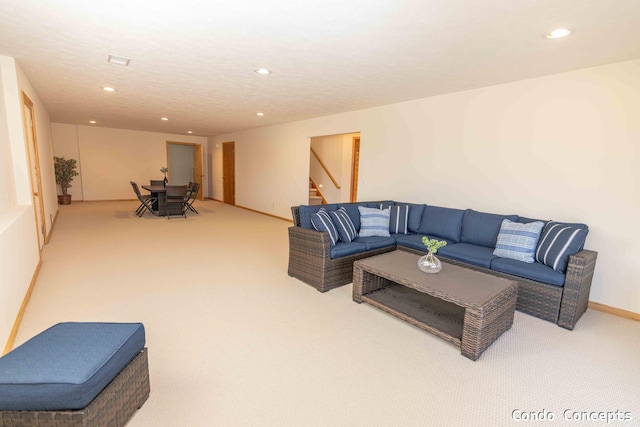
(518, 241)
(559, 241)
(346, 230)
(321, 221)
(374, 222)
(399, 219)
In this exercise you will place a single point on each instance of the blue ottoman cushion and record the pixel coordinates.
(67, 365)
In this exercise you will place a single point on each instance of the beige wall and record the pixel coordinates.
(109, 158)
(19, 253)
(560, 147)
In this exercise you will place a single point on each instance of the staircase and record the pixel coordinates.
(314, 197)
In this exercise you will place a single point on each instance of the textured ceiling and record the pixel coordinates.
(193, 60)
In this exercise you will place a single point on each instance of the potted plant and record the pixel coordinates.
(164, 170)
(65, 171)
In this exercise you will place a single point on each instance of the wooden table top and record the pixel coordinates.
(471, 286)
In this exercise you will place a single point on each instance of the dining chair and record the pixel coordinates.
(157, 182)
(192, 194)
(146, 201)
(176, 200)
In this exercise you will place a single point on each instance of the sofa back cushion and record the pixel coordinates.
(415, 216)
(481, 228)
(441, 222)
(305, 212)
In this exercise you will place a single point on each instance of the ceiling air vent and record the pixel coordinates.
(119, 60)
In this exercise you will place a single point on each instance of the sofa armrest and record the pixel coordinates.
(577, 285)
(309, 252)
(295, 213)
(311, 243)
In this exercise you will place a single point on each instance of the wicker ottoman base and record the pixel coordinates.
(111, 408)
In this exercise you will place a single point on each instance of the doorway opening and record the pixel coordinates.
(184, 161)
(333, 168)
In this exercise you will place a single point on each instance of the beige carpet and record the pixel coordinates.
(234, 341)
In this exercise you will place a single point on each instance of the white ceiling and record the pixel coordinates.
(193, 61)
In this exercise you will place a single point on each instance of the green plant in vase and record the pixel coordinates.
(164, 170)
(429, 263)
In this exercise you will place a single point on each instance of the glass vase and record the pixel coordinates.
(429, 263)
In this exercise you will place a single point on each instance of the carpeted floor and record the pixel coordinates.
(234, 341)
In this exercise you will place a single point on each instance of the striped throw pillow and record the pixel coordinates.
(346, 230)
(399, 219)
(558, 242)
(321, 221)
(374, 222)
(518, 241)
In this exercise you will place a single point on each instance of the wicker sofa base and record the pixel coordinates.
(113, 407)
(321, 272)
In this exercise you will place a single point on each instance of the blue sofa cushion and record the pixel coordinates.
(414, 241)
(346, 230)
(305, 212)
(322, 221)
(481, 228)
(559, 241)
(535, 271)
(441, 223)
(376, 242)
(342, 249)
(67, 366)
(415, 217)
(472, 254)
(374, 222)
(525, 220)
(518, 241)
(399, 219)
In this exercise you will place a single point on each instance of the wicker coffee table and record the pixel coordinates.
(468, 308)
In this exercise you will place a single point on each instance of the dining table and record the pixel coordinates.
(159, 192)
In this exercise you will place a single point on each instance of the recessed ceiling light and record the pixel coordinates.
(164, 118)
(189, 131)
(558, 33)
(118, 60)
(262, 71)
(108, 89)
(260, 114)
(93, 122)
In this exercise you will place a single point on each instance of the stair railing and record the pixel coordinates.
(314, 186)
(324, 167)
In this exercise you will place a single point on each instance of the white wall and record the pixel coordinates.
(19, 252)
(109, 158)
(560, 147)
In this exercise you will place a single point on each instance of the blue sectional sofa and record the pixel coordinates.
(554, 285)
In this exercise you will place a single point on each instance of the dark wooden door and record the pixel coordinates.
(229, 173)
